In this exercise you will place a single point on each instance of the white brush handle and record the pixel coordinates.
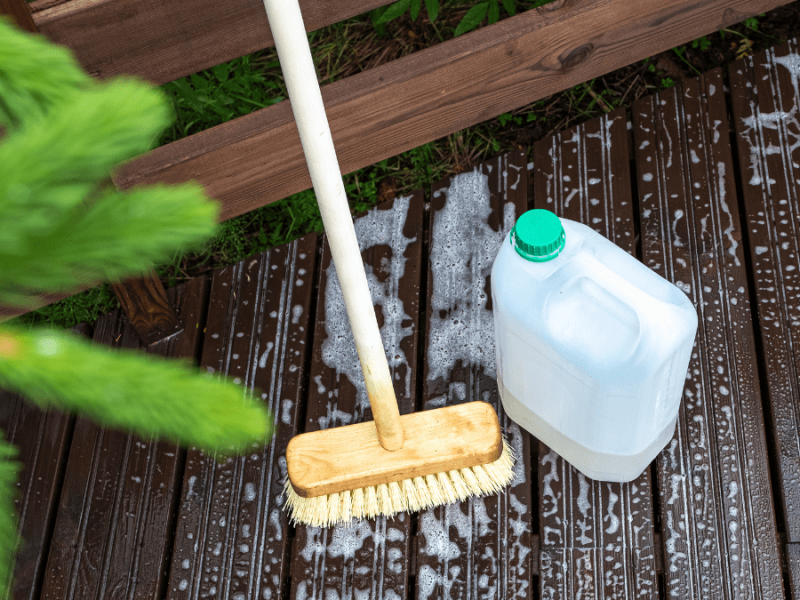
(294, 54)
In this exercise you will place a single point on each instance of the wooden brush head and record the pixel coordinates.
(351, 457)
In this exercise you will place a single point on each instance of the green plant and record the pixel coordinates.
(702, 43)
(61, 226)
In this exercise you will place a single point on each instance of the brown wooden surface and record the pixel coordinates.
(115, 513)
(149, 312)
(20, 12)
(765, 98)
(231, 536)
(173, 38)
(481, 547)
(793, 566)
(43, 442)
(370, 558)
(719, 532)
(596, 537)
(713, 491)
(257, 159)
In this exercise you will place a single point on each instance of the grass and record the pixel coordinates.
(253, 82)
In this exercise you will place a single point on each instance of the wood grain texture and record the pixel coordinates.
(110, 538)
(765, 97)
(480, 548)
(346, 458)
(257, 159)
(43, 442)
(118, 492)
(719, 533)
(173, 38)
(793, 566)
(368, 558)
(20, 12)
(597, 538)
(149, 312)
(231, 534)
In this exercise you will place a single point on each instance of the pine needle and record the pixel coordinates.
(130, 390)
(34, 74)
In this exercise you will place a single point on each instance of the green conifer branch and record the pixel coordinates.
(35, 74)
(59, 227)
(128, 389)
(119, 235)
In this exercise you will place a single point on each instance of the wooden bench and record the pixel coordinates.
(709, 202)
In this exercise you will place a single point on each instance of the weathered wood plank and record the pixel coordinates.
(480, 548)
(174, 38)
(149, 312)
(231, 535)
(596, 537)
(765, 97)
(257, 159)
(42, 439)
(118, 492)
(719, 536)
(367, 558)
(20, 12)
(793, 565)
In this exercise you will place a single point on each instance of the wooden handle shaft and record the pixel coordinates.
(294, 53)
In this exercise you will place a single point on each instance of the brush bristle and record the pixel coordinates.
(411, 495)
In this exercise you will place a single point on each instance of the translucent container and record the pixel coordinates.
(592, 346)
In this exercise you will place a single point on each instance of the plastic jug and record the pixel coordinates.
(592, 346)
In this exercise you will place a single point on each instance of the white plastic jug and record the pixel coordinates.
(592, 346)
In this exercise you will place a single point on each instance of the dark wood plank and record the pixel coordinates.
(257, 159)
(174, 38)
(596, 537)
(232, 534)
(149, 312)
(793, 565)
(719, 536)
(765, 97)
(110, 537)
(481, 547)
(42, 439)
(20, 12)
(368, 558)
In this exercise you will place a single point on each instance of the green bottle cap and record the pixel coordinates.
(538, 235)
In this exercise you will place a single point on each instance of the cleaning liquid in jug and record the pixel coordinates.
(592, 346)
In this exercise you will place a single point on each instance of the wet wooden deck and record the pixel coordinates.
(702, 186)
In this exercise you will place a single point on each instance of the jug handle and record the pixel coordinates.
(621, 288)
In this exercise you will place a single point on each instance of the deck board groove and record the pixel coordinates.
(588, 549)
(719, 529)
(765, 98)
(231, 532)
(368, 558)
(117, 490)
(481, 547)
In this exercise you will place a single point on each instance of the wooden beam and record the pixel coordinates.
(20, 12)
(145, 303)
(164, 40)
(257, 159)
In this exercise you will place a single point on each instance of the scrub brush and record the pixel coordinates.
(395, 463)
